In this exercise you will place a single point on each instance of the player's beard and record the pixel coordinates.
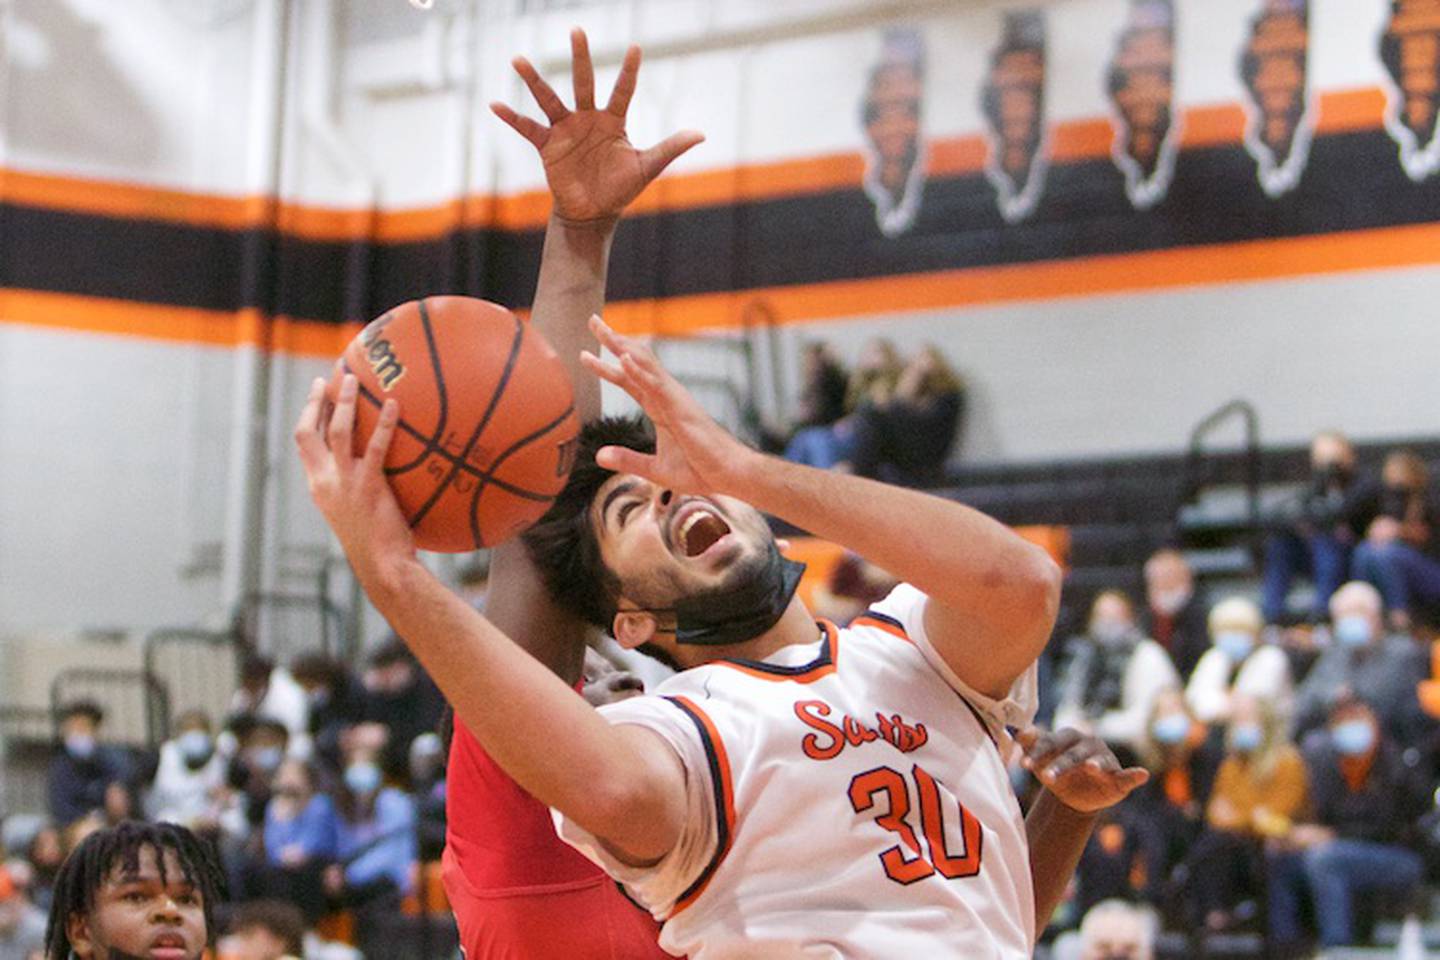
(753, 596)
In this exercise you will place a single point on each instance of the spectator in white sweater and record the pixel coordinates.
(1112, 675)
(1239, 663)
(190, 777)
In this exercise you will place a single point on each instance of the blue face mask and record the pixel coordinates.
(195, 745)
(362, 778)
(1352, 633)
(1353, 738)
(80, 745)
(1246, 737)
(268, 758)
(1236, 644)
(1171, 729)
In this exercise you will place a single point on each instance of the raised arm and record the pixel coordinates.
(993, 595)
(593, 173)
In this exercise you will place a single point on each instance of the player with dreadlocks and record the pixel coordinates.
(136, 890)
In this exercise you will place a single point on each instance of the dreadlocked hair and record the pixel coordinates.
(563, 543)
(90, 864)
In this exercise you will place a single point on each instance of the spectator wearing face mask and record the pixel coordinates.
(83, 767)
(1401, 552)
(334, 699)
(403, 698)
(1116, 930)
(262, 744)
(267, 690)
(1260, 794)
(1322, 527)
(1169, 810)
(1238, 663)
(427, 786)
(1176, 612)
(189, 777)
(1112, 675)
(301, 840)
(1366, 800)
(1362, 661)
(375, 844)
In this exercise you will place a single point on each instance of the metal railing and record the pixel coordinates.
(1195, 477)
(199, 668)
(136, 704)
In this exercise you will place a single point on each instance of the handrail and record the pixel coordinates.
(156, 704)
(1195, 453)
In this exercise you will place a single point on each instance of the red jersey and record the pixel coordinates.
(518, 891)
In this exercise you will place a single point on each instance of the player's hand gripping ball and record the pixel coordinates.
(487, 429)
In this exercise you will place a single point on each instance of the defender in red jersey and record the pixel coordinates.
(518, 892)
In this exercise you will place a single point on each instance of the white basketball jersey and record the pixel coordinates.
(847, 799)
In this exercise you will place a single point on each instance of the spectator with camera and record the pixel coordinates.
(1320, 528)
(1401, 552)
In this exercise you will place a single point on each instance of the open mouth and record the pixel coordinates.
(699, 528)
(168, 946)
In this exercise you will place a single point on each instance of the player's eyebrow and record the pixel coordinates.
(619, 490)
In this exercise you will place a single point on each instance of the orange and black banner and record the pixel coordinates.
(795, 240)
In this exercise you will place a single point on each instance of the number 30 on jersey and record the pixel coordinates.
(886, 792)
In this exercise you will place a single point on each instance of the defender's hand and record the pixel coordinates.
(1079, 770)
(352, 492)
(592, 168)
(693, 453)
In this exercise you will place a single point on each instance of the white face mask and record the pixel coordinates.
(1170, 602)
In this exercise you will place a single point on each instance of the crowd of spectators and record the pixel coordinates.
(1293, 771)
(323, 791)
(889, 417)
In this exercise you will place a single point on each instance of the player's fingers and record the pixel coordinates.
(307, 428)
(654, 160)
(543, 93)
(1028, 737)
(531, 130)
(625, 83)
(1132, 778)
(603, 369)
(608, 338)
(379, 444)
(582, 71)
(342, 421)
(1068, 760)
(1050, 746)
(625, 460)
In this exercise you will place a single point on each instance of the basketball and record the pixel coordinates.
(487, 424)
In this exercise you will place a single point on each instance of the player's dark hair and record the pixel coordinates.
(90, 864)
(563, 544)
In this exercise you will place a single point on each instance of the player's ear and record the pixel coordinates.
(633, 628)
(77, 931)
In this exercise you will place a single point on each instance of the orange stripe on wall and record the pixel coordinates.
(146, 321)
(1340, 111)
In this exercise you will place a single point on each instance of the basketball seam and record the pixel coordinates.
(495, 399)
(498, 461)
(433, 443)
(467, 468)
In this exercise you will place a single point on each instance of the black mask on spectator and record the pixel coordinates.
(1395, 501)
(740, 612)
(1330, 475)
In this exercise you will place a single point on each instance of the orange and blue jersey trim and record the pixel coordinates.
(720, 776)
(882, 621)
(822, 666)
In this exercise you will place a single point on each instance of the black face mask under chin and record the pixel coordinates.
(740, 612)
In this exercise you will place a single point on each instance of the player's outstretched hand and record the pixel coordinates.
(1079, 769)
(351, 491)
(693, 453)
(592, 168)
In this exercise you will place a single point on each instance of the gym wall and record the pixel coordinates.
(145, 272)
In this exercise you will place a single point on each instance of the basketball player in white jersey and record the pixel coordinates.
(797, 790)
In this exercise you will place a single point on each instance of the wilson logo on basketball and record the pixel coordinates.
(1410, 50)
(381, 354)
(1142, 91)
(1014, 105)
(1275, 69)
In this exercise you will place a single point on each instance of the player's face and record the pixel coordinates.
(136, 915)
(665, 546)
